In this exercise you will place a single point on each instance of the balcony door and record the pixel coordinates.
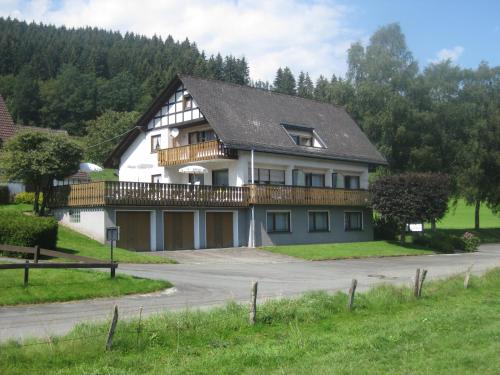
(220, 177)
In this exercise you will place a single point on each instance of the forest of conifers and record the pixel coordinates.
(95, 83)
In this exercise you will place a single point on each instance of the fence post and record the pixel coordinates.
(467, 277)
(36, 254)
(352, 291)
(26, 272)
(111, 333)
(253, 303)
(417, 283)
(422, 279)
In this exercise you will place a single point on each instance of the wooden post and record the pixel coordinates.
(467, 277)
(36, 254)
(26, 272)
(111, 333)
(422, 279)
(253, 303)
(352, 291)
(417, 283)
(139, 325)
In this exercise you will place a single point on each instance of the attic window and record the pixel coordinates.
(303, 136)
(187, 102)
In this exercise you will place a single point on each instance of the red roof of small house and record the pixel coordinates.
(7, 128)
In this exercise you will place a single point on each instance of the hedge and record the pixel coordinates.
(23, 230)
(27, 197)
(4, 194)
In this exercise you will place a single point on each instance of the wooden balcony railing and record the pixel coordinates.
(306, 196)
(196, 152)
(114, 193)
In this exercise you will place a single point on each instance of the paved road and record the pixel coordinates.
(208, 281)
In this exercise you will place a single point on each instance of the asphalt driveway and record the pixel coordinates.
(218, 279)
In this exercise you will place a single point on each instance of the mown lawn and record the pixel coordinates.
(46, 285)
(348, 250)
(448, 331)
(104, 175)
(79, 244)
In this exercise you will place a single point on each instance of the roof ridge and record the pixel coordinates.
(259, 89)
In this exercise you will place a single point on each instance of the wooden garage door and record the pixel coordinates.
(178, 230)
(219, 229)
(135, 230)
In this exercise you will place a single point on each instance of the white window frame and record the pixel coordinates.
(329, 222)
(362, 222)
(280, 211)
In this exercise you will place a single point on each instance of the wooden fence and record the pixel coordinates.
(36, 251)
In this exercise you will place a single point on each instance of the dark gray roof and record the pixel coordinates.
(248, 118)
(245, 117)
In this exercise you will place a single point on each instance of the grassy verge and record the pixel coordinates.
(104, 175)
(46, 285)
(73, 242)
(348, 250)
(449, 331)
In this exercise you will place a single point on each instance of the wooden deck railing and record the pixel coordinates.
(196, 152)
(114, 193)
(306, 196)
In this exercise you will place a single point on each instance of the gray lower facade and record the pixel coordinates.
(93, 222)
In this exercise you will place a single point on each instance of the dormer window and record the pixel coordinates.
(187, 102)
(155, 143)
(303, 136)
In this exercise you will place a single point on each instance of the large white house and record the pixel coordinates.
(266, 168)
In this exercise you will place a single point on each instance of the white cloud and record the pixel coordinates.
(311, 36)
(452, 54)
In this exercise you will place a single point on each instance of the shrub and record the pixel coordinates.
(470, 241)
(22, 230)
(4, 194)
(28, 198)
(439, 241)
(385, 229)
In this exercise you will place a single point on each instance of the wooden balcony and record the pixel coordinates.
(306, 196)
(114, 193)
(193, 153)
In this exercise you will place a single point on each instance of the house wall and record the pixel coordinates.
(299, 226)
(92, 221)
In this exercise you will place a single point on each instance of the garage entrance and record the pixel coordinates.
(178, 229)
(219, 226)
(135, 230)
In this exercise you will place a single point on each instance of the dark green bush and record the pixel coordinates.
(385, 229)
(26, 197)
(4, 194)
(439, 241)
(22, 230)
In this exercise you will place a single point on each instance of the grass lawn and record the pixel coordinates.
(46, 285)
(104, 175)
(448, 331)
(347, 250)
(79, 244)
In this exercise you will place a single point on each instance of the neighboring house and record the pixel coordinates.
(8, 129)
(278, 169)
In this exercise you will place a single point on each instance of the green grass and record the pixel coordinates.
(46, 285)
(461, 216)
(75, 243)
(104, 175)
(348, 250)
(448, 331)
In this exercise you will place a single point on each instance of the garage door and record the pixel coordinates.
(135, 230)
(219, 229)
(179, 230)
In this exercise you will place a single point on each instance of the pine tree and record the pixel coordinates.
(285, 82)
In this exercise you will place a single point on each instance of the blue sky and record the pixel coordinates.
(309, 35)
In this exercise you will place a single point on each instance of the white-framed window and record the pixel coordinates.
(265, 176)
(351, 182)
(278, 222)
(353, 221)
(303, 136)
(74, 216)
(156, 178)
(155, 143)
(318, 221)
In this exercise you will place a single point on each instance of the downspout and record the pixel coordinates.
(252, 208)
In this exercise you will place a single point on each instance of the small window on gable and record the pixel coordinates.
(187, 102)
(303, 136)
(155, 143)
